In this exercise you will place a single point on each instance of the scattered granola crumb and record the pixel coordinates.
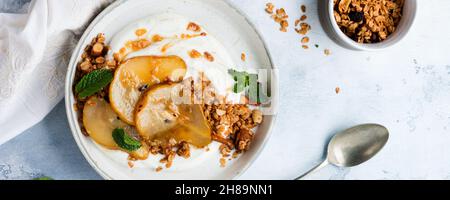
(243, 57)
(305, 46)
(305, 40)
(130, 164)
(303, 8)
(338, 90)
(141, 32)
(224, 150)
(284, 24)
(158, 169)
(257, 116)
(194, 54)
(269, 8)
(208, 56)
(193, 27)
(157, 38)
(303, 18)
(223, 162)
(279, 16)
(184, 150)
(327, 52)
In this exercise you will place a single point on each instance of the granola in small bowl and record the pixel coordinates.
(367, 25)
(368, 21)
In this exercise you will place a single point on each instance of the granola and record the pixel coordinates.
(280, 16)
(368, 21)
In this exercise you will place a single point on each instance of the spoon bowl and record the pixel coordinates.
(354, 146)
(357, 145)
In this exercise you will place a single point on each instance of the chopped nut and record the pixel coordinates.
(194, 54)
(269, 8)
(243, 57)
(100, 60)
(338, 90)
(130, 164)
(157, 38)
(303, 8)
(280, 16)
(220, 112)
(208, 57)
(158, 169)
(223, 162)
(305, 40)
(224, 150)
(257, 116)
(303, 18)
(141, 32)
(244, 138)
(85, 66)
(193, 27)
(184, 150)
(97, 49)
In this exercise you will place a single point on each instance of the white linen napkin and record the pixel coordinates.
(34, 52)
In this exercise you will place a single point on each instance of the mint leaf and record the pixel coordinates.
(93, 82)
(125, 141)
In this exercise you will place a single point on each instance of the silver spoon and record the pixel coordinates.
(353, 146)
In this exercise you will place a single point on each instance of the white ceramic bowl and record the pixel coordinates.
(326, 13)
(231, 28)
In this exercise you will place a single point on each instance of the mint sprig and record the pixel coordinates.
(125, 141)
(93, 82)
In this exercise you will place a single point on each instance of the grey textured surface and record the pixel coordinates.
(14, 6)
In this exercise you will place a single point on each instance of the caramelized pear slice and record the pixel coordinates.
(100, 120)
(138, 73)
(159, 117)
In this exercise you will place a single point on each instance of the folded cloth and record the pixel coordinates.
(34, 52)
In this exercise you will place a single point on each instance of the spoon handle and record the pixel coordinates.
(313, 170)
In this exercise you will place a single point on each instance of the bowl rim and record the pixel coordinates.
(393, 39)
(73, 121)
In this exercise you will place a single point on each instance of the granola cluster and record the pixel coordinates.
(93, 57)
(169, 149)
(279, 16)
(302, 27)
(368, 21)
(232, 125)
